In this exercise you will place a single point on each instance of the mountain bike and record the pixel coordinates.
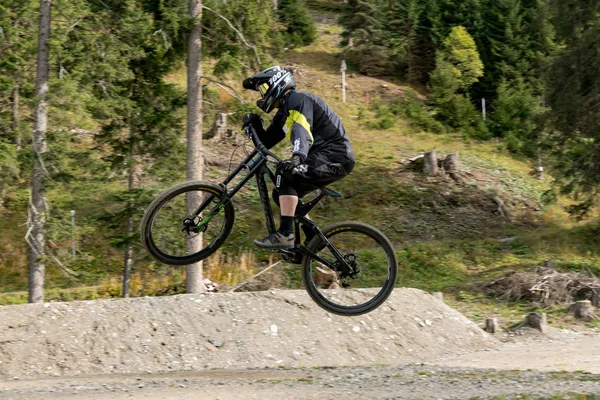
(348, 268)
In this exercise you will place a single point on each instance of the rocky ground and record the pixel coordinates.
(278, 344)
(373, 382)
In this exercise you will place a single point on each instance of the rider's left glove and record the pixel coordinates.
(290, 164)
(253, 119)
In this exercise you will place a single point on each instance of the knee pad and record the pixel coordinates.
(284, 186)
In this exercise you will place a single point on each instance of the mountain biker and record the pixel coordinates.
(322, 153)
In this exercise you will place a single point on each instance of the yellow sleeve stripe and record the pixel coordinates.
(299, 118)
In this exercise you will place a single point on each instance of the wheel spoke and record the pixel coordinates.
(173, 234)
(362, 281)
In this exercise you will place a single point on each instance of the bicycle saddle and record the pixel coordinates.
(330, 192)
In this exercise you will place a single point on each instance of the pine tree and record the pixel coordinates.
(404, 18)
(458, 66)
(120, 52)
(573, 83)
(365, 36)
(300, 28)
(17, 62)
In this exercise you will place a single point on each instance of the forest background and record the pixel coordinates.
(116, 131)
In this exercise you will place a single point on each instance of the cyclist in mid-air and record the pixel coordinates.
(322, 152)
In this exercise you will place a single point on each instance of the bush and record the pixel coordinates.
(300, 27)
(370, 60)
(417, 113)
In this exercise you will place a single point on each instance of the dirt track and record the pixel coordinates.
(238, 331)
(277, 345)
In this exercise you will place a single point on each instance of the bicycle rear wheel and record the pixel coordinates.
(356, 292)
(175, 234)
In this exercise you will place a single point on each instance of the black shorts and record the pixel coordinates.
(324, 167)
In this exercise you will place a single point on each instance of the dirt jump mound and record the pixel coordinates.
(236, 330)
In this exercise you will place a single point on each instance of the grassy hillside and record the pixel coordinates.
(447, 234)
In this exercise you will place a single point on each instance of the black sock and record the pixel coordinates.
(286, 225)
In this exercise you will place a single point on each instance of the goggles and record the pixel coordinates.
(263, 89)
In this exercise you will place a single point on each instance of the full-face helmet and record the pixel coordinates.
(271, 83)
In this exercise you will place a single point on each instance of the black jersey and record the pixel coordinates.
(310, 125)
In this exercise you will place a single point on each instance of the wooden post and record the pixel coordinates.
(483, 108)
(582, 309)
(343, 69)
(539, 169)
(491, 325)
(367, 98)
(430, 165)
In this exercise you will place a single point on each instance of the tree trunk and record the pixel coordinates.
(430, 165)
(133, 182)
(195, 159)
(37, 238)
(15, 117)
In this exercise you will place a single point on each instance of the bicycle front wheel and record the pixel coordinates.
(187, 223)
(373, 273)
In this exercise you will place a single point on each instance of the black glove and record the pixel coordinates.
(290, 164)
(253, 119)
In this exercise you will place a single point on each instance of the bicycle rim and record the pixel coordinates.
(361, 290)
(174, 234)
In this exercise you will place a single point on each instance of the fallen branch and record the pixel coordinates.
(254, 277)
(230, 91)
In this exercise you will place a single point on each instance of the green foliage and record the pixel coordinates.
(573, 80)
(364, 28)
(516, 115)
(256, 20)
(460, 52)
(300, 28)
(418, 114)
(457, 67)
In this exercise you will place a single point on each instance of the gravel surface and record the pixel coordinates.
(380, 382)
(279, 344)
(237, 331)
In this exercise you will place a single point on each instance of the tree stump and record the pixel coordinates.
(582, 309)
(537, 321)
(430, 165)
(491, 325)
(452, 167)
(596, 298)
(501, 208)
(219, 128)
(452, 163)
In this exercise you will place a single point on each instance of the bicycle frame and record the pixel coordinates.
(256, 164)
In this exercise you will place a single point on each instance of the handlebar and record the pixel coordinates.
(251, 132)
